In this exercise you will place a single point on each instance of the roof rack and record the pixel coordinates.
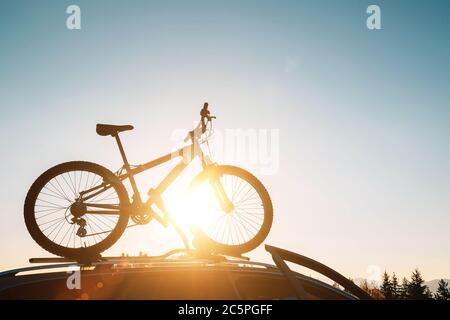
(279, 256)
(105, 262)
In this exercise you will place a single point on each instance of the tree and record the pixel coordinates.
(416, 289)
(372, 290)
(386, 287)
(404, 289)
(443, 292)
(395, 287)
(428, 294)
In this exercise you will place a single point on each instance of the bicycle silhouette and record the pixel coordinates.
(80, 209)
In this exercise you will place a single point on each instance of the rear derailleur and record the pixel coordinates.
(78, 209)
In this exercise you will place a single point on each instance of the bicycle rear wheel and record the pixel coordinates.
(64, 221)
(245, 224)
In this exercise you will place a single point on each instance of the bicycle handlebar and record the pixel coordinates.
(205, 118)
(205, 114)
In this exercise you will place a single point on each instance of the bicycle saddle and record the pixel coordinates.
(111, 130)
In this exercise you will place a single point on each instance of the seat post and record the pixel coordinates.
(122, 151)
(127, 167)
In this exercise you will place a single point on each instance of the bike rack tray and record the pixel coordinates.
(280, 256)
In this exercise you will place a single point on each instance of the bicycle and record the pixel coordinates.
(80, 209)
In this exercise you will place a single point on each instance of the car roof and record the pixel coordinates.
(240, 268)
(178, 260)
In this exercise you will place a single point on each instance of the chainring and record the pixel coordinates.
(141, 218)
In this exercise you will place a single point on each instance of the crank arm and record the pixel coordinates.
(161, 219)
(156, 198)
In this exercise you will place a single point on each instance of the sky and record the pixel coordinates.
(362, 180)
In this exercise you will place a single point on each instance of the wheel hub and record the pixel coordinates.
(228, 207)
(78, 209)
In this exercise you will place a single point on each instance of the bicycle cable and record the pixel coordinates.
(94, 234)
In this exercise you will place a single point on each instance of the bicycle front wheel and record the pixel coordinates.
(233, 210)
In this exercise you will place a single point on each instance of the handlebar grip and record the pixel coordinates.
(204, 112)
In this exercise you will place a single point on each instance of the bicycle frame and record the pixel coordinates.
(188, 153)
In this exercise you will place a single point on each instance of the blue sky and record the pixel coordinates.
(364, 116)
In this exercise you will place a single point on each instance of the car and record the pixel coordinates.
(176, 276)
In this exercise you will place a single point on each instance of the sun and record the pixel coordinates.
(193, 208)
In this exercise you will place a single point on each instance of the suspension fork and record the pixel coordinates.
(214, 181)
(220, 193)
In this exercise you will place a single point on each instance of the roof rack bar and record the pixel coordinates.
(195, 254)
(12, 273)
(52, 260)
(87, 260)
(285, 255)
(62, 263)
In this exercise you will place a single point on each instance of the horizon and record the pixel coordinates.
(359, 176)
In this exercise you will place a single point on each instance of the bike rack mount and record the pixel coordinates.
(280, 256)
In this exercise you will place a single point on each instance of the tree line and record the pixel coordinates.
(413, 289)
